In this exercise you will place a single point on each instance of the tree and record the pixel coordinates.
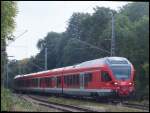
(74, 27)
(135, 10)
(133, 40)
(52, 41)
(8, 13)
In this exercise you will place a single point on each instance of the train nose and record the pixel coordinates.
(124, 91)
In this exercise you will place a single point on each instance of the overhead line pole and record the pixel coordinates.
(36, 65)
(7, 69)
(45, 48)
(46, 58)
(113, 38)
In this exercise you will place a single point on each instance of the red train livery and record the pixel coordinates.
(100, 77)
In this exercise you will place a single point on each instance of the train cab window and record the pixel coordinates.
(105, 77)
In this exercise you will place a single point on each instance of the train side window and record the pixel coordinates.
(53, 83)
(36, 82)
(87, 78)
(21, 83)
(69, 80)
(41, 81)
(46, 82)
(33, 83)
(105, 77)
(72, 81)
(49, 82)
(24, 82)
(76, 80)
(58, 81)
(66, 80)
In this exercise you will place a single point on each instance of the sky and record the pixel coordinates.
(36, 18)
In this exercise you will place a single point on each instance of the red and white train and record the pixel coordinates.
(100, 77)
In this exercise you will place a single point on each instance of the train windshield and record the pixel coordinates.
(121, 73)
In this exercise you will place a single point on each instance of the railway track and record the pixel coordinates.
(124, 104)
(72, 108)
(131, 105)
(137, 106)
(62, 107)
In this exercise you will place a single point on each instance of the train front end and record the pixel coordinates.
(122, 72)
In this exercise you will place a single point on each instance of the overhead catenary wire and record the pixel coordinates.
(92, 46)
(36, 65)
(33, 65)
(18, 36)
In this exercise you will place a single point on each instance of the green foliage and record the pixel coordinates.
(146, 69)
(8, 13)
(136, 10)
(10, 102)
(6, 100)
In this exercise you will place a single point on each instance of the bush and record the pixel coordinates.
(6, 100)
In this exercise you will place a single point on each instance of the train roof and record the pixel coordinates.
(92, 63)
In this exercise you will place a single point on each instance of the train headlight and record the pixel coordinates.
(130, 83)
(115, 83)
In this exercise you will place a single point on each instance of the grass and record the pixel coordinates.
(6, 100)
(10, 102)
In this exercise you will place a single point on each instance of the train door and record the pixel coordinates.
(81, 80)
